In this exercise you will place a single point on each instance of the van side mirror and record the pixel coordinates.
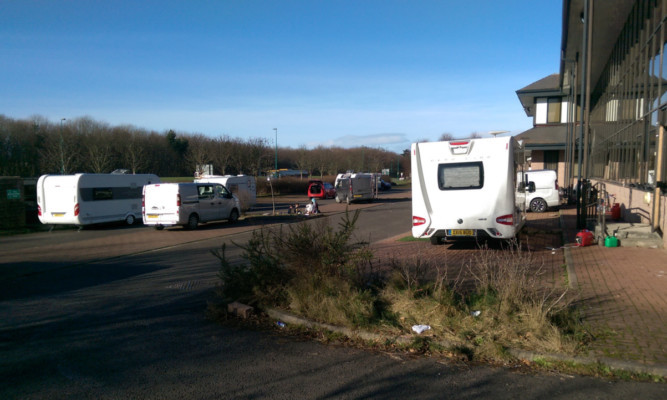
(531, 187)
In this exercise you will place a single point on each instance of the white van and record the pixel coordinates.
(466, 189)
(243, 186)
(85, 199)
(542, 190)
(355, 187)
(188, 204)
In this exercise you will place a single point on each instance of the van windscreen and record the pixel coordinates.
(460, 176)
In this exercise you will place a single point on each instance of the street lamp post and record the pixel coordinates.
(62, 154)
(276, 164)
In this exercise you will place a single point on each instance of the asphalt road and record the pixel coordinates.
(119, 313)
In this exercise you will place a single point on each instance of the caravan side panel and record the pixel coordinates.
(85, 199)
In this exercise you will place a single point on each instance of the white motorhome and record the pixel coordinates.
(85, 199)
(188, 204)
(542, 190)
(467, 189)
(243, 186)
(352, 187)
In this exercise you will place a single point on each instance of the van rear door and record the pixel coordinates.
(161, 204)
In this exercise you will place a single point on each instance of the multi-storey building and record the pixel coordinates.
(613, 79)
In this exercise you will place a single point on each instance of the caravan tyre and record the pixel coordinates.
(538, 205)
(436, 240)
(193, 221)
(130, 220)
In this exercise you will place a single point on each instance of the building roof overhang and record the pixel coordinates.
(544, 137)
(608, 20)
(545, 87)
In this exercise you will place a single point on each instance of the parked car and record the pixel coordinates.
(321, 190)
(384, 185)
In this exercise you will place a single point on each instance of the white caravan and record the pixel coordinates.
(85, 199)
(243, 186)
(188, 204)
(542, 190)
(467, 189)
(355, 187)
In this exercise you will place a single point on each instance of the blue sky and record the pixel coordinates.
(345, 73)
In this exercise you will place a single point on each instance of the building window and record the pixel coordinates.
(551, 160)
(553, 110)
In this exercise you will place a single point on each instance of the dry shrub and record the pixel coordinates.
(498, 299)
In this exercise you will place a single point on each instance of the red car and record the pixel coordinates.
(321, 190)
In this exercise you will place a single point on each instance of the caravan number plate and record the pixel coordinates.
(460, 232)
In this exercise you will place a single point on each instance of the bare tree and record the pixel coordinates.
(446, 137)
(258, 154)
(100, 157)
(475, 135)
(198, 152)
(134, 150)
(60, 151)
(304, 160)
(222, 152)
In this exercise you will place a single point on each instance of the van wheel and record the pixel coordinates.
(538, 205)
(234, 216)
(159, 227)
(130, 219)
(193, 221)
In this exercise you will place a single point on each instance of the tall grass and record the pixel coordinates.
(309, 268)
(498, 299)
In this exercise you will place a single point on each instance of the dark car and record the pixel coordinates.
(321, 190)
(384, 185)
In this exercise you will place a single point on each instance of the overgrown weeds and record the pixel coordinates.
(309, 268)
(498, 299)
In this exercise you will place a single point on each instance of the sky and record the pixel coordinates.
(376, 73)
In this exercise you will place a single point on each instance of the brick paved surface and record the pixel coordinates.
(623, 293)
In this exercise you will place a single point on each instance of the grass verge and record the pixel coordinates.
(500, 299)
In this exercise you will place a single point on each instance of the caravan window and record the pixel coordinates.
(102, 194)
(459, 176)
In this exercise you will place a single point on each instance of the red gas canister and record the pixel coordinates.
(616, 211)
(585, 238)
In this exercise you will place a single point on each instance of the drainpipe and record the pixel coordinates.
(658, 177)
(583, 147)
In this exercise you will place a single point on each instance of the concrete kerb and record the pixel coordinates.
(519, 354)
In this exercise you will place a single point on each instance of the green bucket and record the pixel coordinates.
(611, 241)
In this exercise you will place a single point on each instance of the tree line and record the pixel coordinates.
(37, 146)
